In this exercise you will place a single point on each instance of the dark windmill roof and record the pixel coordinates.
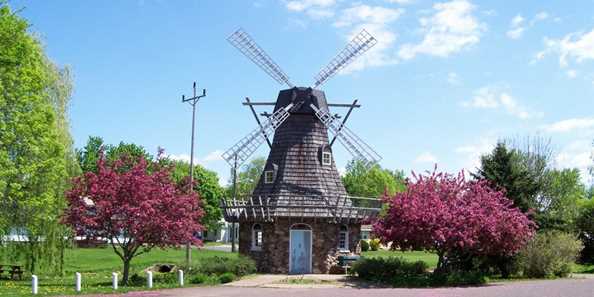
(296, 159)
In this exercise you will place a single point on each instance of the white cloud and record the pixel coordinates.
(374, 19)
(515, 33)
(303, 5)
(362, 13)
(517, 21)
(518, 24)
(541, 16)
(491, 97)
(576, 154)
(570, 125)
(451, 28)
(577, 47)
(315, 9)
(401, 2)
(454, 79)
(473, 152)
(516, 27)
(426, 157)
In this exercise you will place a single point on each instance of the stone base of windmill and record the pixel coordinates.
(273, 256)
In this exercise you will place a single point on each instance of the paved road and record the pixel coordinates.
(548, 288)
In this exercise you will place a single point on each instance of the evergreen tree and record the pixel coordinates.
(505, 169)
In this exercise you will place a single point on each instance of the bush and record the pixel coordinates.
(227, 277)
(374, 244)
(239, 266)
(387, 269)
(397, 272)
(549, 254)
(364, 245)
(137, 280)
(458, 278)
(199, 278)
(165, 278)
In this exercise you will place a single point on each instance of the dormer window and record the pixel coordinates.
(268, 176)
(326, 158)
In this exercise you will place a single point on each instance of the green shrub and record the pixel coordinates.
(227, 277)
(239, 266)
(137, 280)
(374, 244)
(364, 245)
(387, 269)
(458, 278)
(549, 254)
(165, 278)
(199, 278)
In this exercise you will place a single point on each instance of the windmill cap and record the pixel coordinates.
(296, 95)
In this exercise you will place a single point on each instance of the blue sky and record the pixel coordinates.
(445, 81)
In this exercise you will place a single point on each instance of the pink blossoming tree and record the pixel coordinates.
(135, 205)
(448, 214)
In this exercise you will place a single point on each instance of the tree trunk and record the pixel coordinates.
(126, 271)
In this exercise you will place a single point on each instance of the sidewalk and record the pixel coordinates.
(295, 281)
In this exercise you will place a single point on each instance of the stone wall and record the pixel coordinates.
(274, 255)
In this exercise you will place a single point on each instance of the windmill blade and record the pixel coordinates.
(245, 147)
(359, 45)
(249, 48)
(360, 150)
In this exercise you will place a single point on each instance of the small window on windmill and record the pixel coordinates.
(268, 176)
(326, 158)
(257, 237)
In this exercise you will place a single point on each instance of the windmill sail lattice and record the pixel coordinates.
(360, 150)
(249, 48)
(244, 148)
(361, 43)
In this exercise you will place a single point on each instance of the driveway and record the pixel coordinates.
(576, 287)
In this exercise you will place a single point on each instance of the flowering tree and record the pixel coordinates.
(448, 214)
(135, 205)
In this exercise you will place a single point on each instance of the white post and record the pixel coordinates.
(114, 280)
(180, 274)
(149, 279)
(34, 284)
(77, 282)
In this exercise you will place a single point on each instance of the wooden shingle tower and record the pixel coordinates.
(299, 216)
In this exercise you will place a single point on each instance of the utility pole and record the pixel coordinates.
(234, 200)
(193, 101)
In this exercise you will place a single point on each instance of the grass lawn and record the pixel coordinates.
(96, 266)
(412, 256)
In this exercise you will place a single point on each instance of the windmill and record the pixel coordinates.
(300, 181)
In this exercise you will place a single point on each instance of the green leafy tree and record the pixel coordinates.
(247, 178)
(373, 181)
(88, 156)
(35, 144)
(206, 184)
(558, 206)
(585, 226)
